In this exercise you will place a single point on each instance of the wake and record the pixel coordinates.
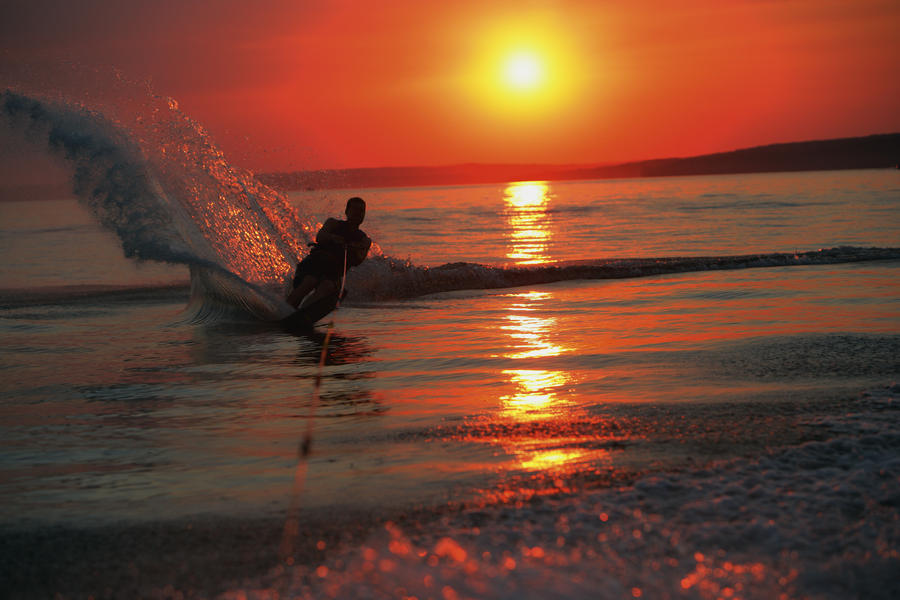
(385, 278)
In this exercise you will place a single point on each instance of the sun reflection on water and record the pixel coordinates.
(540, 400)
(539, 423)
(535, 396)
(530, 335)
(529, 223)
(560, 459)
(536, 390)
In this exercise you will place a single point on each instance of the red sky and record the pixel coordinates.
(287, 84)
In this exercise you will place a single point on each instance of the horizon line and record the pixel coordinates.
(590, 165)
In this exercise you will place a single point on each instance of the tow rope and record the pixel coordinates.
(292, 524)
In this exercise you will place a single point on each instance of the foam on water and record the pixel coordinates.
(818, 520)
(384, 278)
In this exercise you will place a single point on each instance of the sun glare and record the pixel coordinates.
(523, 68)
(523, 71)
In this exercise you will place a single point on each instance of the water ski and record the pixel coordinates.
(307, 315)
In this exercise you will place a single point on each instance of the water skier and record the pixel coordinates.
(319, 274)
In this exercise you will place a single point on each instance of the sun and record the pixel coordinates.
(523, 71)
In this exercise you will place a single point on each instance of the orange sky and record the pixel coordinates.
(285, 84)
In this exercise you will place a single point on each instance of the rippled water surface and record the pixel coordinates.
(119, 405)
(537, 222)
(494, 428)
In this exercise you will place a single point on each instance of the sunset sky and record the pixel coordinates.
(289, 84)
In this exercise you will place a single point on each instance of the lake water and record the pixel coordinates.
(646, 416)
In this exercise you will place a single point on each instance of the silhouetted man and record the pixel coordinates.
(322, 270)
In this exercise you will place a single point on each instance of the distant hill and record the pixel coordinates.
(870, 152)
